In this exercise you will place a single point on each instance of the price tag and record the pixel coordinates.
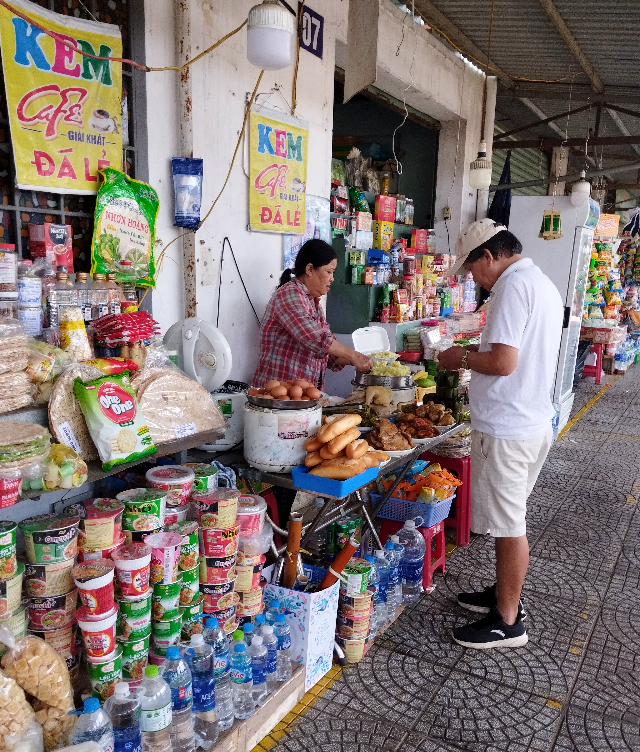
(186, 429)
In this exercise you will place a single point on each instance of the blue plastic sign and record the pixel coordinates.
(312, 32)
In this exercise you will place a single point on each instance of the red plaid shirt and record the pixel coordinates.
(294, 338)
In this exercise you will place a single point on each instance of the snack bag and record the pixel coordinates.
(112, 366)
(15, 711)
(117, 427)
(125, 229)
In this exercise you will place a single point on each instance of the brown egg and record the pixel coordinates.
(253, 392)
(266, 396)
(284, 397)
(271, 385)
(305, 399)
(295, 392)
(302, 383)
(278, 391)
(313, 393)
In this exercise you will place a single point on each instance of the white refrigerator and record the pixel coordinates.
(566, 262)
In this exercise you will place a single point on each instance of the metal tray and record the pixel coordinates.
(275, 404)
(395, 382)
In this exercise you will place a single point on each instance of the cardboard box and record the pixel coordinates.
(364, 221)
(53, 242)
(312, 619)
(385, 208)
(364, 240)
(419, 240)
(382, 235)
(357, 258)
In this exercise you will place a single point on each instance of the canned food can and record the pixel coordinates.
(342, 533)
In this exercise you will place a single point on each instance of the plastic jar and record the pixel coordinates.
(8, 271)
(31, 319)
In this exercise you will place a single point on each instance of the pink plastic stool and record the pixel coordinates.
(461, 467)
(597, 369)
(436, 560)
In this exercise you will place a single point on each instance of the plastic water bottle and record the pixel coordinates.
(259, 622)
(374, 581)
(123, 710)
(270, 641)
(94, 725)
(242, 678)
(237, 638)
(283, 633)
(393, 560)
(382, 565)
(259, 670)
(176, 673)
(201, 660)
(248, 633)
(155, 717)
(272, 611)
(215, 637)
(412, 561)
(399, 549)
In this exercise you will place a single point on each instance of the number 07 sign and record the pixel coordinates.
(312, 32)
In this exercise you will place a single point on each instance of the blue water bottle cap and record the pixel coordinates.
(389, 545)
(370, 559)
(280, 619)
(91, 704)
(260, 619)
(248, 627)
(240, 647)
(173, 653)
(274, 604)
(212, 623)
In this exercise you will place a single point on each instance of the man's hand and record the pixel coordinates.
(362, 362)
(451, 359)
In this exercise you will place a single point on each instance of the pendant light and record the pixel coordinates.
(580, 190)
(271, 33)
(480, 169)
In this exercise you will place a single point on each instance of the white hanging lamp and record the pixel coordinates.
(580, 190)
(271, 31)
(480, 169)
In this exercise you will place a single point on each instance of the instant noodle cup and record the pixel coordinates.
(94, 580)
(144, 509)
(355, 577)
(217, 508)
(353, 629)
(98, 634)
(190, 588)
(134, 617)
(252, 511)
(88, 554)
(164, 556)
(214, 570)
(205, 476)
(355, 606)
(165, 600)
(11, 592)
(192, 620)
(8, 559)
(50, 538)
(10, 487)
(48, 579)
(218, 542)
(226, 618)
(155, 659)
(105, 672)
(218, 597)
(176, 514)
(166, 633)
(52, 611)
(176, 479)
(248, 574)
(133, 564)
(353, 649)
(139, 536)
(249, 603)
(189, 556)
(102, 527)
(62, 639)
(134, 658)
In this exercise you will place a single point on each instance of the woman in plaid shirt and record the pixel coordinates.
(295, 339)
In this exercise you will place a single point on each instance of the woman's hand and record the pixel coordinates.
(343, 353)
(363, 363)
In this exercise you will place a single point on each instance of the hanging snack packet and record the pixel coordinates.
(117, 427)
(125, 229)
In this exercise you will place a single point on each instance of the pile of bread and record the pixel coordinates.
(338, 452)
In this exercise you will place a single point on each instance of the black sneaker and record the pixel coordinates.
(491, 632)
(483, 602)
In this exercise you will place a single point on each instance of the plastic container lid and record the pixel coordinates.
(212, 622)
(257, 640)
(240, 647)
(170, 475)
(121, 689)
(280, 619)
(267, 629)
(394, 539)
(151, 670)
(274, 604)
(248, 627)
(91, 704)
(260, 618)
(238, 635)
(173, 653)
(197, 639)
(370, 339)
(410, 524)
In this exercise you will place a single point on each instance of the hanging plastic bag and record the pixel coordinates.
(187, 186)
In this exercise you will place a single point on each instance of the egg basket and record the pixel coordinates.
(276, 404)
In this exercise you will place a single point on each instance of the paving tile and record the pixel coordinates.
(554, 579)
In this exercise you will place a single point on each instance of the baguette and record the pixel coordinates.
(340, 442)
(334, 472)
(369, 460)
(326, 454)
(359, 465)
(331, 430)
(356, 449)
(312, 459)
(313, 444)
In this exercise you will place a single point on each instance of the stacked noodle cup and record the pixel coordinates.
(12, 609)
(355, 608)
(252, 512)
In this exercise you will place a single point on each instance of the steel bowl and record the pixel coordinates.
(395, 382)
(276, 404)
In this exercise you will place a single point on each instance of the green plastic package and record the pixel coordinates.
(124, 233)
(117, 427)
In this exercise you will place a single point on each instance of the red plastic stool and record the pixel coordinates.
(436, 560)
(597, 369)
(272, 509)
(461, 466)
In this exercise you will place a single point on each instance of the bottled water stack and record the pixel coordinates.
(124, 710)
(242, 678)
(94, 725)
(270, 641)
(412, 561)
(259, 670)
(283, 661)
(176, 673)
(215, 637)
(201, 659)
(155, 716)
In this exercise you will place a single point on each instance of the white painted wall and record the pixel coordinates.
(443, 86)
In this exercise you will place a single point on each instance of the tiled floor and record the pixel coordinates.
(576, 686)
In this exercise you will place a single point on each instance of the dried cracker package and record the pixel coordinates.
(116, 423)
(125, 229)
(15, 712)
(57, 725)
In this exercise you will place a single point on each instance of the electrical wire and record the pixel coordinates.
(294, 88)
(404, 91)
(226, 241)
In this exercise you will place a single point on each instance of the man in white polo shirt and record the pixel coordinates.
(511, 413)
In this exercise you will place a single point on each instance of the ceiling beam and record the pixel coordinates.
(576, 92)
(568, 178)
(544, 119)
(622, 127)
(623, 110)
(442, 24)
(572, 44)
(549, 143)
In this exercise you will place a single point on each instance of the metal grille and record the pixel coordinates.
(21, 208)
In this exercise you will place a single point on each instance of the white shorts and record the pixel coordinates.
(503, 474)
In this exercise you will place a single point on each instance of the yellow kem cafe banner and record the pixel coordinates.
(64, 108)
(277, 172)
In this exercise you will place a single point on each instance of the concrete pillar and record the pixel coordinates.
(450, 182)
(483, 197)
(559, 162)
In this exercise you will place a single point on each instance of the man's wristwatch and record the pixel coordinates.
(463, 363)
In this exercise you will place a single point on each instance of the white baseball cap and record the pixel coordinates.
(474, 236)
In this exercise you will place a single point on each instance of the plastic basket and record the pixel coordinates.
(329, 487)
(402, 510)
